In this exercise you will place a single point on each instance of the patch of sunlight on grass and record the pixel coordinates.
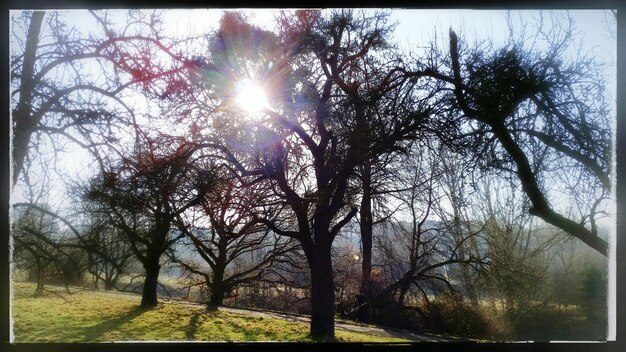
(89, 316)
(349, 336)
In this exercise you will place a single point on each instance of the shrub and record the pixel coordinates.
(452, 315)
(548, 323)
(593, 295)
(584, 319)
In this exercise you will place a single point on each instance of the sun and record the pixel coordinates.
(250, 96)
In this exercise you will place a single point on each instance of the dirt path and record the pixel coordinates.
(372, 330)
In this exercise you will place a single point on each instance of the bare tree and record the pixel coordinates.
(308, 146)
(34, 249)
(416, 251)
(76, 86)
(234, 243)
(109, 254)
(518, 248)
(143, 196)
(524, 108)
(71, 85)
(456, 178)
(49, 94)
(42, 246)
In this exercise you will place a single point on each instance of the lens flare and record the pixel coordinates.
(250, 96)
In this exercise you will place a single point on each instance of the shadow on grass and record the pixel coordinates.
(91, 334)
(192, 329)
(197, 318)
(249, 335)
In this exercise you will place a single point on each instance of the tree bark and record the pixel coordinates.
(149, 293)
(366, 225)
(40, 282)
(96, 282)
(217, 289)
(322, 293)
(23, 127)
(466, 277)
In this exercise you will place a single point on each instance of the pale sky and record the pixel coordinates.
(415, 29)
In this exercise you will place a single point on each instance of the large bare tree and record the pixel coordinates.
(526, 110)
(310, 143)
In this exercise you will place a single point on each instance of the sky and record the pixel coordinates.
(415, 28)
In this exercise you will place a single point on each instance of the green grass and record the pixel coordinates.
(99, 317)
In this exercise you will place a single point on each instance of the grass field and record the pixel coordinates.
(89, 316)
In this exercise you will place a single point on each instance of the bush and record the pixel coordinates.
(548, 323)
(584, 319)
(451, 315)
(594, 294)
(448, 314)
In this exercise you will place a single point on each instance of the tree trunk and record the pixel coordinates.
(540, 206)
(23, 126)
(32, 274)
(322, 293)
(96, 282)
(40, 282)
(366, 225)
(217, 289)
(404, 288)
(109, 279)
(149, 293)
(466, 276)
